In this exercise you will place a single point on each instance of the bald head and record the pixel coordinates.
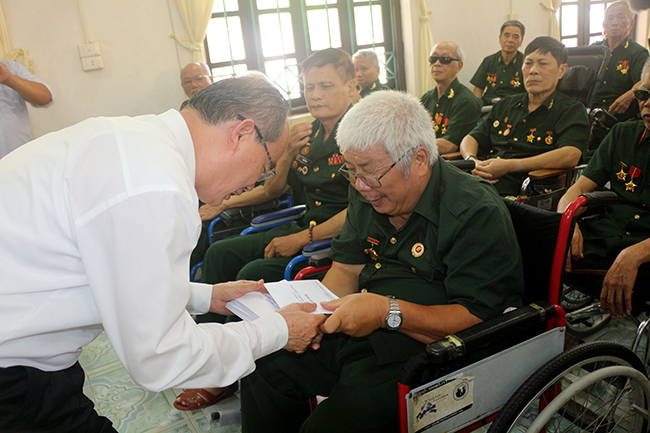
(445, 62)
(195, 77)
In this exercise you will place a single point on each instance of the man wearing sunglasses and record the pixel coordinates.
(453, 107)
(500, 74)
(409, 266)
(99, 220)
(619, 239)
(542, 128)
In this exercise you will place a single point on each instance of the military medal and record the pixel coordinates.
(623, 66)
(417, 250)
(370, 251)
(335, 159)
(531, 137)
(305, 170)
(634, 173)
(507, 131)
(515, 82)
(303, 160)
(305, 150)
(549, 138)
(294, 164)
(621, 175)
(496, 124)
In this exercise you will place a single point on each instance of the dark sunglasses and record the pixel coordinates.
(444, 60)
(641, 95)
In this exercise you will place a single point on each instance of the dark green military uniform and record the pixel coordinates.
(510, 131)
(498, 79)
(316, 182)
(623, 159)
(453, 114)
(623, 72)
(435, 258)
(376, 85)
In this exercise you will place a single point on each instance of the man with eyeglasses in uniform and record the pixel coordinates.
(426, 251)
(194, 77)
(99, 220)
(453, 107)
(499, 74)
(619, 239)
(542, 128)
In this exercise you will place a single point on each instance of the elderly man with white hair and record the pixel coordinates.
(407, 267)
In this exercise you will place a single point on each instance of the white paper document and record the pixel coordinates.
(282, 293)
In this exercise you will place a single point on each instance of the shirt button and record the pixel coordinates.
(317, 203)
(636, 217)
(318, 190)
(516, 139)
(333, 174)
(377, 265)
(627, 233)
(364, 290)
(524, 120)
(393, 241)
(316, 169)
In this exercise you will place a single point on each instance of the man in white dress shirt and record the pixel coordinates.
(99, 220)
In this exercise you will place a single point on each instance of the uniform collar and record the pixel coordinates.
(450, 91)
(548, 102)
(427, 206)
(518, 58)
(624, 45)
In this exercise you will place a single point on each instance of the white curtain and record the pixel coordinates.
(196, 16)
(6, 53)
(553, 25)
(425, 82)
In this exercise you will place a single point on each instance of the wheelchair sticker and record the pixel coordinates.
(442, 401)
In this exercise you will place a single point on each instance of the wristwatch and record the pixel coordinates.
(468, 157)
(394, 316)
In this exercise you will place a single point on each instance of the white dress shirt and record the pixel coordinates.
(15, 126)
(98, 223)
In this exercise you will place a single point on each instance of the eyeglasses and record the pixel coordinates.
(187, 82)
(271, 172)
(641, 95)
(444, 60)
(370, 179)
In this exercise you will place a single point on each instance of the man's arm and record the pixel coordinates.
(343, 279)
(446, 146)
(478, 92)
(583, 185)
(469, 147)
(623, 102)
(31, 91)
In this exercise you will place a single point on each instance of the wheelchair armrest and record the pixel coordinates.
(477, 336)
(452, 156)
(248, 213)
(317, 247)
(600, 198)
(545, 173)
(462, 164)
(279, 216)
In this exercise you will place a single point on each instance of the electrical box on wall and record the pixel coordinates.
(91, 58)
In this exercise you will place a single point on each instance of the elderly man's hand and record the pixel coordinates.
(356, 315)
(209, 212)
(299, 136)
(622, 103)
(577, 244)
(286, 246)
(619, 283)
(5, 75)
(492, 169)
(226, 292)
(303, 326)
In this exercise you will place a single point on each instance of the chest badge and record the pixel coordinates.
(417, 250)
(371, 251)
(634, 173)
(622, 175)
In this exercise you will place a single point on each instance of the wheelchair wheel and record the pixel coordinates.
(613, 402)
(586, 321)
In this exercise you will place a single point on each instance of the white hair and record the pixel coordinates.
(394, 120)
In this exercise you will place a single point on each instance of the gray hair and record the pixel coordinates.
(201, 64)
(395, 120)
(513, 23)
(460, 54)
(248, 96)
(645, 72)
(631, 12)
(367, 54)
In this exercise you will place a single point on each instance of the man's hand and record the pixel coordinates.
(492, 169)
(622, 103)
(303, 327)
(286, 246)
(5, 75)
(226, 292)
(619, 283)
(209, 212)
(299, 136)
(577, 244)
(356, 315)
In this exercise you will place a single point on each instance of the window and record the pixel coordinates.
(581, 21)
(275, 36)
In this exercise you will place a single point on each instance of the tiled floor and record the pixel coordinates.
(134, 410)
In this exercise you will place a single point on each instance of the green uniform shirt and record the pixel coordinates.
(623, 72)
(497, 78)
(457, 247)
(315, 178)
(453, 114)
(623, 159)
(376, 85)
(509, 131)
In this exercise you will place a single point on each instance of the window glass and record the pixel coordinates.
(319, 2)
(284, 74)
(570, 42)
(569, 20)
(228, 71)
(596, 18)
(225, 5)
(324, 29)
(368, 31)
(593, 39)
(225, 39)
(271, 4)
(276, 34)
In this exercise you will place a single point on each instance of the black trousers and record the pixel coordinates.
(32, 400)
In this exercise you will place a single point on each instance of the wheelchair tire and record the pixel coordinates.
(585, 409)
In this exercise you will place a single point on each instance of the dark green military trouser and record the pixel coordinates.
(362, 394)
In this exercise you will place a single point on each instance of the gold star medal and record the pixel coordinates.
(370, 251)
(630, 185)
(531, 137)
(634, 173)
(549, 138)
(621, 175)
(417, 250)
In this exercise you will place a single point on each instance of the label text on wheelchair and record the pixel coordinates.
(441, 401)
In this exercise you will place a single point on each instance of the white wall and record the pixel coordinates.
(141, 61)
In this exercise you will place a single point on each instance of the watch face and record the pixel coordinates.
(393, 321)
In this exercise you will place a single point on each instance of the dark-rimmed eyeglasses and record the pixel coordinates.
(370, 179)
(444, 60)
(271, 172)
(641, 95)
(199, 79)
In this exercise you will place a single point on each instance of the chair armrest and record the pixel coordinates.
(248, 213)
(462, 164)
(600, 198)
(279, 216)
(452, 156)
(477, 336)
(317, 247)
(545, 173)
